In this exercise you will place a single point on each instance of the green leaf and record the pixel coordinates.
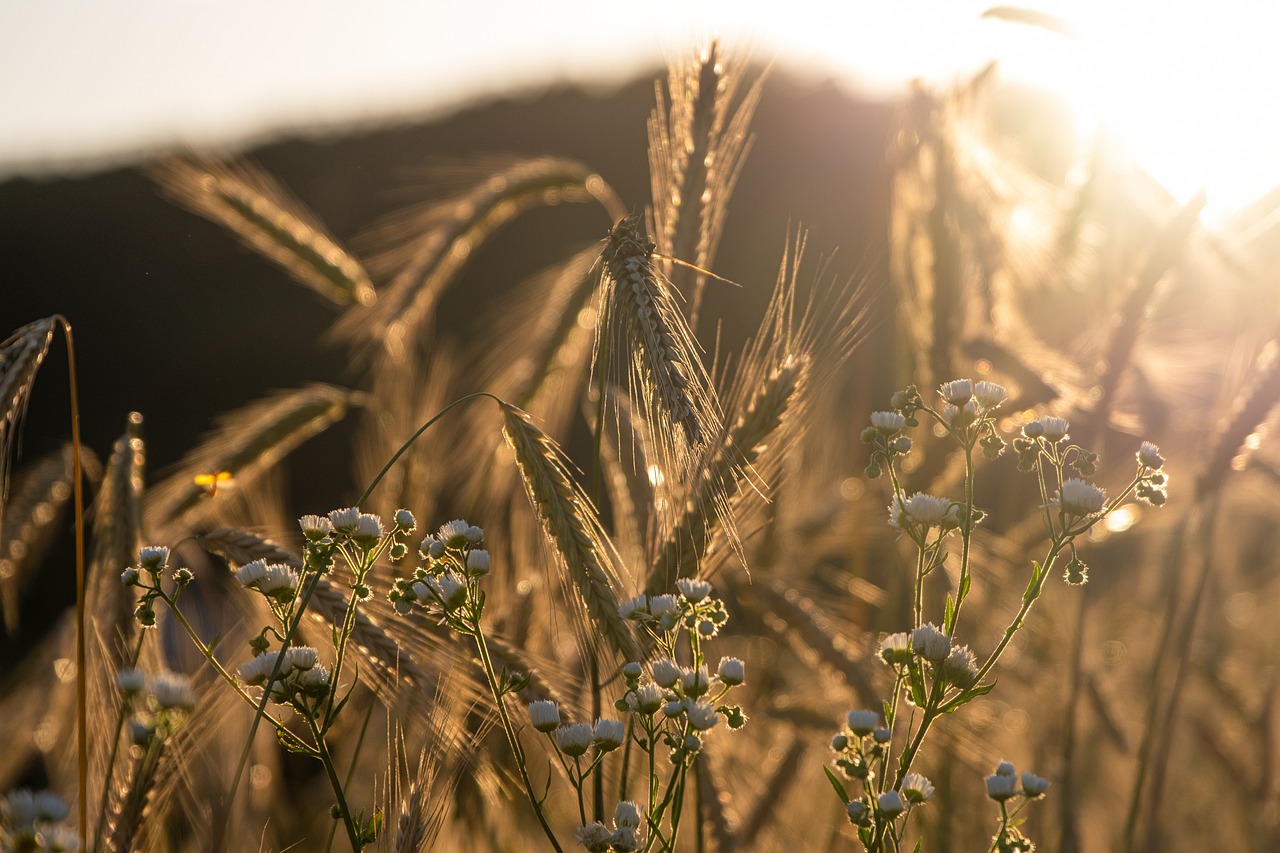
(916, 677)
(964, 586)
(949, 616)
(837, 785)
(1037, 571)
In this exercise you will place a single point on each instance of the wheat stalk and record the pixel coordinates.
(259, 211)
(569, 521)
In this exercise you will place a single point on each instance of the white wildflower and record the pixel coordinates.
(695, 682)
(131, 682)
(477, 563)
(861, 722)
(1001, 787)
(917, 789)
(665, 671)
(1079, 498)
(405, 520)
(693, 589)
(1034, 786)
(595, 837)
(153, 557)
(896, 648)
(930, 643)
(453, 533)
(345, 520)
(960, 668)
(702, 715)
(574, 739)
(1054, 429)
(626, 813)
(608, 735)
(887, 423)
(891, 804)
(172, 691)
(1149, 456)
(731, 671)
(957, 392)
(989, 395)
(544, 715)
(315, 527)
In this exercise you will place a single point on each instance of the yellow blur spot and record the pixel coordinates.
(210, 482)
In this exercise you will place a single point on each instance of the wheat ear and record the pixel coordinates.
(266, 218)
(1250, 408)
(241, 546)
(21, 355)
(569, 521)
(430, 245)
(646, 330)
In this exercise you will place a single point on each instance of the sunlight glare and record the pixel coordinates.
(1185, 90)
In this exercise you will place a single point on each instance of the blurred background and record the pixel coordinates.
(1117, 165)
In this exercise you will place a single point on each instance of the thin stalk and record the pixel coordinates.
(327, 760)
(115, 751)
(513, 739)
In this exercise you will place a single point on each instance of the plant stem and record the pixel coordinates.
(513, 739)
(353, 834)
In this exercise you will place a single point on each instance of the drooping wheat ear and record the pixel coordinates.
(20, 357)
(31, 522)
(725, 474)
(117, 535)
(240, 546)
(247, 443)
(1249, 410)
(698, 141)
(642, 328)
(590, 565)
(430, 245)
(266, 218)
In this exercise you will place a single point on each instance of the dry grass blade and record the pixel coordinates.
(241, 546)
(117, 531)
(30, 524)
(698, 141)
(269, 220)
(569, 521)
(438, 240)
(247, 443)
(643, 331)
(21, 355)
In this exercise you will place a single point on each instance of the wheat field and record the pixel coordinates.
(903, 568)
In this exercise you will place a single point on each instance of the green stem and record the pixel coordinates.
(353, 834)
(513, 740)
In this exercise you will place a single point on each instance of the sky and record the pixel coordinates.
(85, 83)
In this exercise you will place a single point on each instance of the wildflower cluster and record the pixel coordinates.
(1007, 789)
(157, 705)
(152, 566)
(448, 578)
(33, 822)
(933, 675)
(672, 707)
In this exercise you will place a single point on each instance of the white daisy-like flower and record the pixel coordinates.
(1149, 456)
(1034, 786)
(450, 588)
(344, 520)
(477, 563)
(315, 527)
(1079, 498)
(649, 698)
(626, 813)
(989, 394)
(923, 511)
(702, 715)
(474, 535)
(368, 529)
(544, 715)
(129, 576)
(595, 837)
(255, 672)
(930, 643)
(300, 657)
(1054, 429)
(695, 682)
(574, 739)
(960, 415)
(891, 804)
(25, 808)
(636, 608)
(896, 648)
(314, 681)
(917, 789)
(453, 533)
(131, 682)
(731, 671)
(693, 589)
(673, 708)
(608, 735)
(625, 839)
(252, 572)
(960, 668)
(1001, 787)
(1006, 768)
(153, 557)
(405, 520)
(278, 580)
(862, 722)
(957, 392)
(172, 691)
(665, 671)
(661, 605)
(888, 423)
(857, 811)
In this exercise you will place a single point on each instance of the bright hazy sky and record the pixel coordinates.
(84, 82)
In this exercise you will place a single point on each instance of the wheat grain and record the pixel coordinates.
(569, 521)
(259, 211)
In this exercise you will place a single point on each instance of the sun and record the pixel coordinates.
(1186, 90)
